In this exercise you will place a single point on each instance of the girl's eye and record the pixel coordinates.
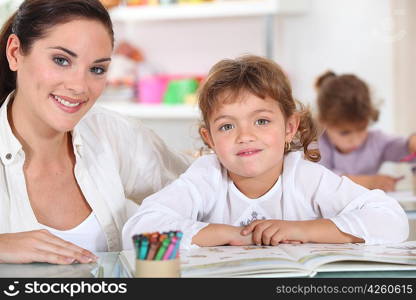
(98, 70)
(226, 127)
(262, 122)
(61, 61)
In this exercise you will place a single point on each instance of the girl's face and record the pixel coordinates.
(249, 136)
(62, 75)
(347, 137)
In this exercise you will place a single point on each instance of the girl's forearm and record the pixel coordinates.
(325, 231)
(220, 234)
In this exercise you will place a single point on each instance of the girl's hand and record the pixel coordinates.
(238, 239)
(41, 246)
(273, 232)
(221, 234)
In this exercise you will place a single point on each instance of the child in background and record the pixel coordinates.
(256, 188)
(347, 146)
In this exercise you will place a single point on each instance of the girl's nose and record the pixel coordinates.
(245, 136)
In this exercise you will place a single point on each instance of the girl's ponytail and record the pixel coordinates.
(324, 77)
(7, 76)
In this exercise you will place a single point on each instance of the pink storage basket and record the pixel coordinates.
(151, 89)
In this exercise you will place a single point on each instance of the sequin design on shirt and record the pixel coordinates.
(254, 217)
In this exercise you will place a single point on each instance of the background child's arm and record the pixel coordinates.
(221, 234)
(273, 232)
(412, 144)
(384, 182)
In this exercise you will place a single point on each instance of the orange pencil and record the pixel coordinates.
(154, 246)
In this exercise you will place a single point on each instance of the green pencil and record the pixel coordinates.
(162, 249)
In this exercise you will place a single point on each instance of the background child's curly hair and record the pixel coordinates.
(263, 78)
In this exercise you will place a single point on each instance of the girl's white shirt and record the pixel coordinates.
(117, 159)
(304, 191)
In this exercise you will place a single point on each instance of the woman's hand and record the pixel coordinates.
(273, 232)
(40, 246)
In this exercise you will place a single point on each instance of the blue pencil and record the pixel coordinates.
(175, 252)
(144, 248)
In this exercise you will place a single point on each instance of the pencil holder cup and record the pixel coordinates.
(157, 268)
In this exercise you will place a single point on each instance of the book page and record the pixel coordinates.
(314, 255)
(236, 260)
(289, 260)
(230, 261)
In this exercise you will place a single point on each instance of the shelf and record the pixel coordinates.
(158, 111)
(216, 9)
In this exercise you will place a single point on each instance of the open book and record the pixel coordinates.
(289, 260)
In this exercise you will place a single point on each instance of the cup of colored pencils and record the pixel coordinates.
(157, 254)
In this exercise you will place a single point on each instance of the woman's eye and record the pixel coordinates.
(226, 127)
(61, 61)
(98, 70)
(262, 122)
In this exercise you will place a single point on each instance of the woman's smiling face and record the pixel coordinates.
(63, 73)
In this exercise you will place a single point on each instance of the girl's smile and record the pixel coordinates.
(248, 152)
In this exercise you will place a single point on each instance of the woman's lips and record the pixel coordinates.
(67, 104)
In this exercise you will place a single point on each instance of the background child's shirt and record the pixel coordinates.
(366, 160)
(304, 191)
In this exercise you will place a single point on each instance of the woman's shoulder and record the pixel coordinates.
(99, 116)
(101, 121)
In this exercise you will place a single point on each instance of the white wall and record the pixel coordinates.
(345, 36)
(342, 35)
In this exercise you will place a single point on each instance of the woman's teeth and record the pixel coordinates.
(66, 103)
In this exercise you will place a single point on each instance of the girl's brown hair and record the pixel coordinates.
(32, 21)
(344, 99)
(263, 78)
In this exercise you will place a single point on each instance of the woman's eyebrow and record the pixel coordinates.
(73, 54)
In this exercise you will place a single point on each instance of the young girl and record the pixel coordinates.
(256, 189)
(347, 146)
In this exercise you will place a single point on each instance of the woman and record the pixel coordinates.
(66, 169)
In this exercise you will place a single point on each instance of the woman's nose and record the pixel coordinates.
(77, 82)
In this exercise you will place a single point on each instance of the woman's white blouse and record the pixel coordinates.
(88, 235)
(116, 158)
(304, 191)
